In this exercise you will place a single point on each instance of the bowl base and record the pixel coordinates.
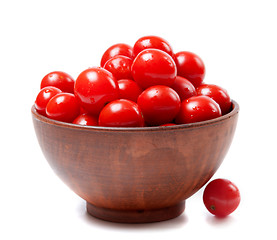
(136, 216)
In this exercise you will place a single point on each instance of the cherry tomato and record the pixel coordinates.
(86, 119)
(218, 94)
(121, 113)
(115, 50)
(120, 67)
(129, 89)
(190, 66)
(159, 104)
(43, 97)
(63, 107)
(153, 67)
(197, 109)
(94, 88)
(184, 88)
(221, 197)
(60, 80)
(152, 42)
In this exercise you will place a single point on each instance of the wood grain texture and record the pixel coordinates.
(128, 171)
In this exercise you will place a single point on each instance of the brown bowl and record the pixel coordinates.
(136, 174)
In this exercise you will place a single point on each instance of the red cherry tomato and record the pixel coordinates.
(197, 109)
(86, 119)
(159, 104)
(120, 67)
(121, 113)
(218, 94)
(94, 88)
(153, 67)
(129, 89)
(190, 66)
(43, 97)
(63, 107)
(184, 88)
(152, 42)
(115, 50)
(221, 197)
(60, 80)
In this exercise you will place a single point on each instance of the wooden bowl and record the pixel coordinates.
(135, 175)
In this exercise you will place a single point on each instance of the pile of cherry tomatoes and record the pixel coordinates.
(144, 85)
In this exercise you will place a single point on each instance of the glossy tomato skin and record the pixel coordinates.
(86, 119)
(115, 50)
(43, 97)
(197, 109)
(153, 67)
(121, 113)
(184, 88)
(190, 66)
(63, 107)
(221, 197)
(60, 80)
(129, 89)
(217, 93)
(94, 88)
(159, 105)
(152, 42)
(120, 67)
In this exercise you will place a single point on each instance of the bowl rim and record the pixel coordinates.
(233, 112)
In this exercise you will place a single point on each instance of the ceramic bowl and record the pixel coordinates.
(135, 175)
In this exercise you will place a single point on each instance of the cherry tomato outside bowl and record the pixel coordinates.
(221, 197)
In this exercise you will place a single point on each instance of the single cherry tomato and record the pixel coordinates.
(129, 89)
(43, 97)
(94, 88)
(197, 109)
(121, 113)
(86, 119)
(60, 80)
(152, 42)
(190, 66)
(159, 105)
(218, 94)
(115, 50)
(63, 107)
(221, 197)
(184, 88)
(153, 67)
(120, 67)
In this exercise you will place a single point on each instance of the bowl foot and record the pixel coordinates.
(136, 216)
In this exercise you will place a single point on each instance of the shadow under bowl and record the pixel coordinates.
(135, 175)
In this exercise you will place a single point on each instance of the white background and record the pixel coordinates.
(237, 42)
